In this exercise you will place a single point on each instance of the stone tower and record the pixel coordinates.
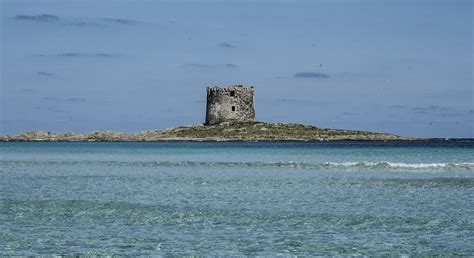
(229, 104)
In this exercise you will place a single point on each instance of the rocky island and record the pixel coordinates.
(230, 116)
(243, 131)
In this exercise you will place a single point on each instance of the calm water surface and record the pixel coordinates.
(237, 198)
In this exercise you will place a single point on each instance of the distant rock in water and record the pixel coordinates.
(248, 131)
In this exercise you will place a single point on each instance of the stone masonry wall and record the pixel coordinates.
(230, 104)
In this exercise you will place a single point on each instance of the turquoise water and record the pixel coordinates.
(237, 198)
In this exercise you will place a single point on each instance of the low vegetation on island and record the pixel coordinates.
(248, 131)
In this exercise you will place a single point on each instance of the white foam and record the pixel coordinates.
(399, 165)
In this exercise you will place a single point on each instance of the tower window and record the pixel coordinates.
(233, 108)
(232, 93)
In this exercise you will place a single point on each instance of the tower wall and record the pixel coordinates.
(230, 104)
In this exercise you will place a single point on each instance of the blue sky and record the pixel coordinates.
(403, 67)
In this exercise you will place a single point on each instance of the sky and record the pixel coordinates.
(402, 67)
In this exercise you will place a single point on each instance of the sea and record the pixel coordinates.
(237, 198)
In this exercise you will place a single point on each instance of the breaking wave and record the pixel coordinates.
(342, 166)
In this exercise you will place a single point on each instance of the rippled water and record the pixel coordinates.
(237, 198)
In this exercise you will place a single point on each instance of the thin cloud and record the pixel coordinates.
(431, 108)
(209, 66)
(82, 54)
(52, 109)
(399, 107)
(226, 45)
(315, 75)
(76, 99)
(421, 109)
(71, 99)
(452, 115)
(45, 74)
(37, 18)
(78, 22)
(71, 54)
(84, 24)
(427, 108)
(105, 55)
(120, 21)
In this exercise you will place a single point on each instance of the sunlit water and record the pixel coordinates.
(237, 198)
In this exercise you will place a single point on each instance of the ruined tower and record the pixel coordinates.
(229, 104)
